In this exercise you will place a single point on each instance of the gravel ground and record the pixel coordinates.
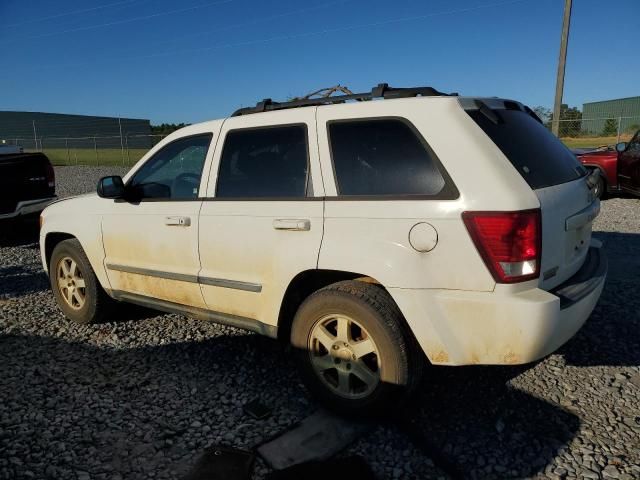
(142, 396)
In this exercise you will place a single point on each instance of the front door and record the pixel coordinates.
(151, 240)
(261, 223)
(629, 165)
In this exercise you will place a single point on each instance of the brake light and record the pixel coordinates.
(510, 243)
(50, 175)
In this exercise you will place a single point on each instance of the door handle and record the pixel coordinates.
(300, 224)
(177, 221)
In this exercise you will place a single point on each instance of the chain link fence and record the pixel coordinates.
(596, 132)
(122, 150)
(79, 139)
(125, 148)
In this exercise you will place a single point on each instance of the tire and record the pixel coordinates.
(600, 189)
(83, 305)
(334, 369)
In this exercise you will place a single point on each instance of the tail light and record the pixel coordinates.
(50, 175)
(510, 243)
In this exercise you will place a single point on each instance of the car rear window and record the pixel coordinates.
(532, 149)
(375, 157)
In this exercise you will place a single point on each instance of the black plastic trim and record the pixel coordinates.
(382, 90)
(200, 313)
(182, 277)
(590, 276)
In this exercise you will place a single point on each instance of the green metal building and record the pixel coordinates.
(625, 111)
(54, 130)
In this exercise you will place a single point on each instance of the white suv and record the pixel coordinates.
(368, 230)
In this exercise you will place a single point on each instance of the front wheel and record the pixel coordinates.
(355, 353)
(74, 284)
(600, 188)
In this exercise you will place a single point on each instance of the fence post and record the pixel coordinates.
(35, 135)
(66, 143)
(126, 139)
(95, 147)
(619, 128)
(121, 145)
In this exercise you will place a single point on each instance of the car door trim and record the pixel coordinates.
(198, 313)
(234, 284)
(183, 277)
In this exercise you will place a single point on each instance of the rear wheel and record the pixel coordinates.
(355, 353)
(75, 286)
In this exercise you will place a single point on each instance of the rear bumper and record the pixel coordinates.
(26, 207)
(506, 326)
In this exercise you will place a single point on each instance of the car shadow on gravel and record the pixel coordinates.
(21, 280)
(474, 424)
(19, 233)
(611, 336)
(154, 409)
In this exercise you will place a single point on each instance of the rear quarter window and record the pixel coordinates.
(384, 157)
(540, 158)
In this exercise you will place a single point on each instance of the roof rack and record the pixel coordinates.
(382, 90)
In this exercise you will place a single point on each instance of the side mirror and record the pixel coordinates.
(620, 147)
(111, 187)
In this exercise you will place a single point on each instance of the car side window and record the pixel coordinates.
(382, 157)
(634, 144)
(174, 172)
(264, 162)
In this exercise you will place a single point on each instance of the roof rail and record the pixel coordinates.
(382, 90)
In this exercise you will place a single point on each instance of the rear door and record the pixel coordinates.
(261, 223)
(567, 204)
(629, 165)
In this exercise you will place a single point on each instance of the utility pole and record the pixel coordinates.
(35, 135)
(562, 60)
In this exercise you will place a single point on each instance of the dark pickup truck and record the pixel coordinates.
(27, 184)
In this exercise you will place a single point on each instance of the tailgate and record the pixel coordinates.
(24, 177)
(568, 211)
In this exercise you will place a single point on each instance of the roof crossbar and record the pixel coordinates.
(382, 90)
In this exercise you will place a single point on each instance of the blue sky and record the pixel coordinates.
(195, 60)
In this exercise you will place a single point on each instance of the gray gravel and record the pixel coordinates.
(143, 395)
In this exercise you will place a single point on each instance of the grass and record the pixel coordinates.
(88, 156)
(587, 142)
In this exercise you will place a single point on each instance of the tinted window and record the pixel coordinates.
(634, 143)
(532, 149)
(382, 157)
(174, 172)
(264, 162)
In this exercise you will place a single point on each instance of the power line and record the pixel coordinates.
(74, 12)
(126, 20)
(332, 30)
(299, 35)
(254, 22)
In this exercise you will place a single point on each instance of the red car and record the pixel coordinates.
(619, 167)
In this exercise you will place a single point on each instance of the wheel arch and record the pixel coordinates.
(306, 283)
(51, 240)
